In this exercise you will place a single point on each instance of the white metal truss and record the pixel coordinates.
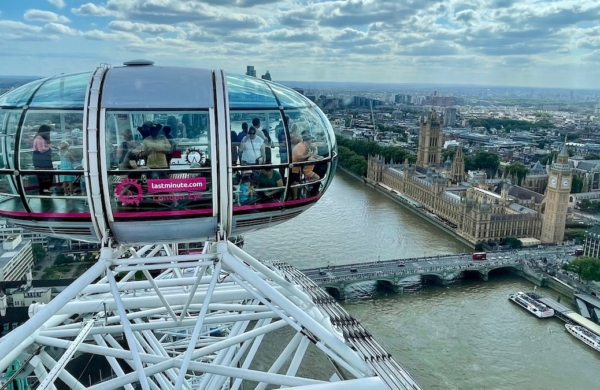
(216, 320)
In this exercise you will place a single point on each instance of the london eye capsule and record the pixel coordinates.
(145, 154)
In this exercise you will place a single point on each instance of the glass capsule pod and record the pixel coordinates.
(145, 154)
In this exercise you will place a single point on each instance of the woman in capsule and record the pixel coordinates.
(42, 158)
(155, 148)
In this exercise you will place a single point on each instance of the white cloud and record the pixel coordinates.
(339, 39)
(57, 3)
(60, 29)
(11, 30)
(91, 9)
(122, 25)
(44, 16)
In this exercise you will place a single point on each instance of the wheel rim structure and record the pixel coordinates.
(216, 320)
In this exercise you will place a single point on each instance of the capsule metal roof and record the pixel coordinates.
(145, 86)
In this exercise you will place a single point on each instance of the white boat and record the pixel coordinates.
(528, 303)
(591, 339)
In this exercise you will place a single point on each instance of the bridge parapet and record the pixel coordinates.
(395, 277)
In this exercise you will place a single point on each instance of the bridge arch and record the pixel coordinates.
(335, 291)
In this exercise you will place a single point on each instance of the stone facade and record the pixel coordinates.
(591, 246)
(485, 210)
(478, 212)
(430, 141)
(557, 199)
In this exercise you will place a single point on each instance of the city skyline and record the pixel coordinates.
(531, 43)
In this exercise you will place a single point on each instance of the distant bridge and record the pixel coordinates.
(394, 275)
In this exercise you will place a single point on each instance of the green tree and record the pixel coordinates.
(588, 268)
(513, 242)
(592, 156)
(576, 184)
(448, 153)
(547, 159)
(542, 144)
(63, 259)
(38, 252)
(518, 170)
(487, 161)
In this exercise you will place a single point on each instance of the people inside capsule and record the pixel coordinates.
(42, 158)
(155, 148)
(270, 183)
(67, 162)
(247, 192)
(253, 148)
(241, 135)
(127, 147)
(304, 151)
(167, 132)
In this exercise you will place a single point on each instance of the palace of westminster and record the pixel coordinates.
(487, 209)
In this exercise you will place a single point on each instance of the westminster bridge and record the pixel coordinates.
(397, 274)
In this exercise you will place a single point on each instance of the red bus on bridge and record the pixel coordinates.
(479, 255)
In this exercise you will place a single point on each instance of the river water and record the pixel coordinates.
(464, 336)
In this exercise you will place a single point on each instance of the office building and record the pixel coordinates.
(250, 71)
(16, 258)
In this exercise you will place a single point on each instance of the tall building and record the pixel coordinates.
(250, 71)
(591, 246)
(430, 141)
(557, 199)
(457, 173)
(16, 258)
(450, 116)
(266, 76)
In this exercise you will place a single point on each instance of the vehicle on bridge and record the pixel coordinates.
(479, 256)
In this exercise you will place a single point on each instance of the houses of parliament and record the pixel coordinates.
(485, 208)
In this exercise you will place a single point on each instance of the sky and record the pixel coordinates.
(536, 43)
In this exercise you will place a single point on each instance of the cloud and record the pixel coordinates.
(292, 36)
(120, 36)
(11, 30)
(59, 29)
(57, 3)
(91, 9)
(431, 49)
(120, 25)
(44, 16)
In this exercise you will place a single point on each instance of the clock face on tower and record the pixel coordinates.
(553, 181)
(565, 183)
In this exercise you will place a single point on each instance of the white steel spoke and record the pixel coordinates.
(199, 323)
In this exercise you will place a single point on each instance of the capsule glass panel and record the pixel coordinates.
(11, 125)
(62, 92)
(159, 163)
(20, 96)
(248, 92)
(10, 201)
(288, 98)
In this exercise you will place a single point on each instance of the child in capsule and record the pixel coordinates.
(66, 163)
(246, 189)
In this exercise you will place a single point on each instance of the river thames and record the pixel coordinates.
(464, 336)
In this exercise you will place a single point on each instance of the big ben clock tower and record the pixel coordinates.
(557, 200)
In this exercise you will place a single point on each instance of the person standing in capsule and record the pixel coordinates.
(66, 163)
(42, 158)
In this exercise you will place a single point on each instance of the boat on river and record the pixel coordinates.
(529, 303)
(588, 337)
